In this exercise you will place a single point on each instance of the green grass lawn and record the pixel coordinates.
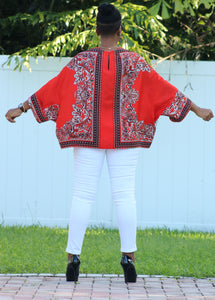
(37, 249)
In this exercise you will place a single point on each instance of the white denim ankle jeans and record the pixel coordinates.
(88, 164)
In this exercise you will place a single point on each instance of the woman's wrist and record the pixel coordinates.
(194, 108)
(24, 107)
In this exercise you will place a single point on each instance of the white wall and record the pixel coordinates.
(175, 177)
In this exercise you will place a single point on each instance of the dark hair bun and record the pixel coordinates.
(108, 14)
(106, 9)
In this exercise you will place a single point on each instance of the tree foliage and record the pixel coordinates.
(155, 29)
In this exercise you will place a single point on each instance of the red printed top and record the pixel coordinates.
(107, 99)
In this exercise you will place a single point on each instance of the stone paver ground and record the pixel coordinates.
(104, 287)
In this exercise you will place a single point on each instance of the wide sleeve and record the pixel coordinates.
(163, 98)
(179, 107)
(45, 102)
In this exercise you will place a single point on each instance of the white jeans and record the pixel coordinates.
(122, 168)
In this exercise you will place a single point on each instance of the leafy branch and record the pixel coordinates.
(79, 27)
(160, 29)
(212, 44)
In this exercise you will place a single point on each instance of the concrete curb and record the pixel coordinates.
(90, 275)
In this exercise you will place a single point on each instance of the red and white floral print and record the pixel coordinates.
(80, 127)
(102, 107)
(178, 107)
(132, 130)
(51, 112)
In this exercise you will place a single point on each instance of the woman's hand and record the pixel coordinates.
(204, 113)
(16, 112)
(12, 114)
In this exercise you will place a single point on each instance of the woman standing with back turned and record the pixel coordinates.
(105, 103)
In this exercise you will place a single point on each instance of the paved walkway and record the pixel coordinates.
(106, 287)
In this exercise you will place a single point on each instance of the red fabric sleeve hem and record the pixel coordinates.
(179, 108)
(184, 112)
(36, 109)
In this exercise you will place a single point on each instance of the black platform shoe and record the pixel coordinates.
(128, 268)
(72, 271)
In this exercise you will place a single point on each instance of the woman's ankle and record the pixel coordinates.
(70, 256)
(130, 255)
